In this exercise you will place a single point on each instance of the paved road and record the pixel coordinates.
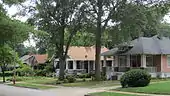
(16, 91)
(63, 91)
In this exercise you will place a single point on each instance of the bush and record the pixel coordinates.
(40, 72)
(25, 70)
(7, 73)
(84, 76)
(70, 78)
(135, 78)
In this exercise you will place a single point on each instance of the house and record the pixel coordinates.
(81, 60)
(34, 60)
(151, 54)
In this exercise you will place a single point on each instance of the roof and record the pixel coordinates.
(153, 45)
(41, 59)
(84, 53)
(146, 45)
(109, 52)
(25, 57)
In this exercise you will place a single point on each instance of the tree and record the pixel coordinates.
(7, 56)
(130, 17)
(12, 32)
(57, 17)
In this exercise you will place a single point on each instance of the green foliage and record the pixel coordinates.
(7, 74)
(24, 70)
(84, 75)
(135, 78)
(71, 78)
(40, 72)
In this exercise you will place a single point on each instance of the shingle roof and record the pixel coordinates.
(146, 45)
(41, 59)
(83, 53)
(153, 45)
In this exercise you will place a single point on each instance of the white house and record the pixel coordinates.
(82, 60)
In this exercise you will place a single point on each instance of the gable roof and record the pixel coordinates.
(83, 53)
(41, 59)
(146, 45)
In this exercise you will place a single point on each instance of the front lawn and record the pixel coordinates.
(162, 87)
(92, 84)
(33, 86)
(110, 94)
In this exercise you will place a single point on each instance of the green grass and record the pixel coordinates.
(110, 94)
(92, 84)
(33, 86)
(162, 87)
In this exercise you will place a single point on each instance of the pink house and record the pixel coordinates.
(151, 54)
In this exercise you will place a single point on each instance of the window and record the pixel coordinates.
(168, 60)
(70, 64)
(149, 61)
(79, 65)
(122, 61)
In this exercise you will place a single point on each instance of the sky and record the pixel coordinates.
(13, 10)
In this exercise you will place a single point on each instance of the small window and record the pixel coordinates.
(168, 60)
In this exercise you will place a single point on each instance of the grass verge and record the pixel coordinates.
(32, 86)
(155, 88)
(110, 94)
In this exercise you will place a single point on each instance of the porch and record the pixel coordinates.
(81, 66)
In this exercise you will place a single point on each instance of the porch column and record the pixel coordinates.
(74, 65)
(104, 62)
(82, 63)
(66, 64)
(143, 60)
(113, 61)
(128, 60)
(88, 66)
(116, 61)
(93, 65)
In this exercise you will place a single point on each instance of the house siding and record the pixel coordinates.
(165, 67)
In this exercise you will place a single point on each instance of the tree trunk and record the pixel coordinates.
(62, 68)
(62, 56)
(3, 73)
(98, 42)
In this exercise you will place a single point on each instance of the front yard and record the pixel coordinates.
(162, 87)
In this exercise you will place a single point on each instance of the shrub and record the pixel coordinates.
(84, 75)
(40, 72)
(135, 78)
(70, 78)
(25, 70)
(7, 73)
(65, 81)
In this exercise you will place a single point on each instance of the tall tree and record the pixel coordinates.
(58, 17)
(120, 13)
